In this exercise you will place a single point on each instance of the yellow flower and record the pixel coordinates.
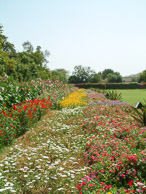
(109, 193)
(74, 99)
(81, 90)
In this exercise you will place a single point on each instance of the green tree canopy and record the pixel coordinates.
(106, 72)
(114, 78)
(60, 74)
(25, 65)
(143, 76)
(81, 74)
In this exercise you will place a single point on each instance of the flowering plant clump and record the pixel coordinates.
(116, 150)
(16, 121)
(23, 104)
(14, 92)
(74, 99)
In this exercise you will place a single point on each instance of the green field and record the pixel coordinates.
(133, 96)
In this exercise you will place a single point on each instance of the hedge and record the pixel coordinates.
(133, 85)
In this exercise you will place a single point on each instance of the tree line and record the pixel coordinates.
(87, 75)
(26, 65)
(32, 63)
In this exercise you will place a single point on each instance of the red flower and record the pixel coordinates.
(79, 188)
(130, 183)
(91, 185)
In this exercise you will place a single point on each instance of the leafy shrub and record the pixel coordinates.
(113, 86)
(113, 95)
(15, 92)
(140, 115)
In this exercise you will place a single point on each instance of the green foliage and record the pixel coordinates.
(60, 74)
(113, 95)
(114, 78)
(94, 78)
(112, 85)
(13, 92)
(111, 77)
(142, 77)
(102, 91)
(24, 66)
(84, 75)
(106, 72)
(80, 74)
(140, 115)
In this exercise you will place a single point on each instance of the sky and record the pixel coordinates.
(100, 34)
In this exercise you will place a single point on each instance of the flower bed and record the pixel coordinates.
(74, 99)
(116, 150)
(14, 92)
(23, 104)
(17, 120)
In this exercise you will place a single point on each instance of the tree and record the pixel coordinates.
(60, 74)
(80, 74)
(143, 76)
(7, 56)
(110, 76)
(34, 62)
(95, 78)
(106, 72)
(73, 79)
(114, 78)
(40, 57)
(25, 65)
(27, 47)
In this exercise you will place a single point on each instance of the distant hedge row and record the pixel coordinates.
(133, 85)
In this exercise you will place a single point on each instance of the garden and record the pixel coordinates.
(56, 138)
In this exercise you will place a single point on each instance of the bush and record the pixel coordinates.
(113, 95)
(113, 86)
(140, 115)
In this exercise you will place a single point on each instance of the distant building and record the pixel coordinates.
(127, 79)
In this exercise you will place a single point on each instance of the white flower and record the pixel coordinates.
(13, 191)
(9, 184)
(59, 189)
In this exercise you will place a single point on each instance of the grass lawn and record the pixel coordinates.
(133, 96)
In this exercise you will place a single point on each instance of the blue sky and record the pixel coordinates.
(97, 33)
